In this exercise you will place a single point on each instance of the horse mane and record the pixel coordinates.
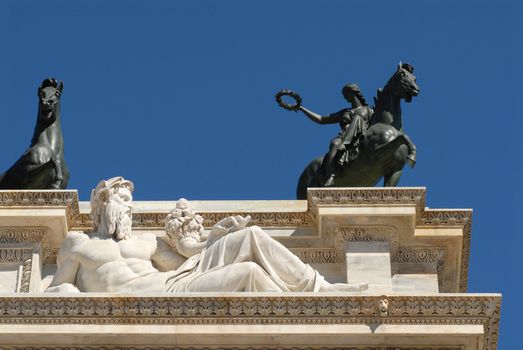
(377, 101)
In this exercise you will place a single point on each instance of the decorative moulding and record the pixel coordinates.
(255, 309)
(20, 255)
(43, 198)
(106, 347)
(31, 235)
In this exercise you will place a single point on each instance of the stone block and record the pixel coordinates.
(369, 262)
(418, 283)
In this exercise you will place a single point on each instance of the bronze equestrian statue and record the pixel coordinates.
(354, 123)
(371, 144)
(42, 166)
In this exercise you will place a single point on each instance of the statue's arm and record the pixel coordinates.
(68, 264)
(327, 119)
(189, 246)
(165, 258)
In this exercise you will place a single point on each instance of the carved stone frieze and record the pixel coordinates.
(12, 254)
(420, 255)
(84, 222)
(111, 347)
(434, 255)
(267, 219)
(434, 217)
(157, 220)
(366, 196)
(23, 256)
(38, 198)
(344, 234)
(30, 235)
(250, 310)
(387, 234)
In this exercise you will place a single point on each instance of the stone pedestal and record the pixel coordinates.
(415, 260)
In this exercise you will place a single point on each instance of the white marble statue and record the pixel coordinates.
(232, 258)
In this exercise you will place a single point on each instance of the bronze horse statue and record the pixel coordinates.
(385, 148)
(42, 166)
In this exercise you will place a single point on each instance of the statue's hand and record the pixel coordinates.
(226, 226)
(240, 223)
(234, 223)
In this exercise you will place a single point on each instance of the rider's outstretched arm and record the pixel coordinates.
(315, 117)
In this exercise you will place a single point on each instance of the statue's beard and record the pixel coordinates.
(118, 220)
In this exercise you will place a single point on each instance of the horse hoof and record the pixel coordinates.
(329, 182)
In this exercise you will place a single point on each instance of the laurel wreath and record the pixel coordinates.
(285, 105)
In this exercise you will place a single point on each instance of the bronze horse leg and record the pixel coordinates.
(411, 157)
(40, 158)
(393, 163)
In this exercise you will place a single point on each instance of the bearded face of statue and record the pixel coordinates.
(117, 213)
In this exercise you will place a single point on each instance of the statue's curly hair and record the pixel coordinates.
(183, 222)
(355, 89)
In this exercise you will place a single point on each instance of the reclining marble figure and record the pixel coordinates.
(232, 258)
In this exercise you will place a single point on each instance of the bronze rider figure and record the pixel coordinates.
(354, 123)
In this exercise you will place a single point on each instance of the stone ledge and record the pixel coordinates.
(43, 199)
(277, 337)
(260, 309)
(230, 347)
(366, 196)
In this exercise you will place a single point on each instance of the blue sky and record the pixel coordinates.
(179, 97)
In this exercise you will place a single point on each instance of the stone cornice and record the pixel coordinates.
(266, 219)
(269, 347)
(43, 198)
(461, 218)
(252, 309)
(30, 234)
(366, 196)
(311, 347)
